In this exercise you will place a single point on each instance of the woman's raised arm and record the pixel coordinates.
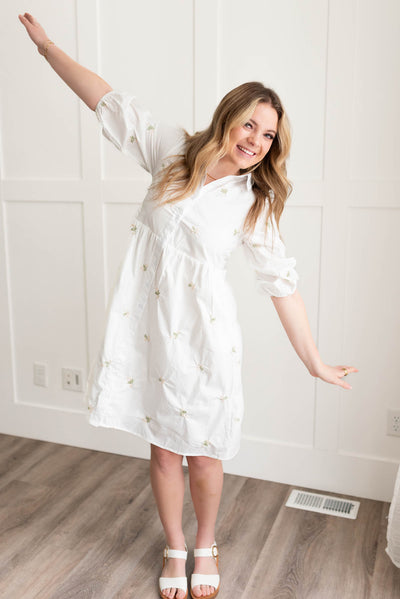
(86, 84)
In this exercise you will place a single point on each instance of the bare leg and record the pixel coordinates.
(206, 481)
(168, 486)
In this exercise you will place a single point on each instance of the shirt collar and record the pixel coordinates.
(246, 177)
(249, 182)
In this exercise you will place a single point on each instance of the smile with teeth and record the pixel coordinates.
(246, 151)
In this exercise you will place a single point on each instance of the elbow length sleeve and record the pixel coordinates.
(276, 274)
(132, 130)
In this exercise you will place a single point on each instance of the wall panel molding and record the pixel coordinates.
(341, 221)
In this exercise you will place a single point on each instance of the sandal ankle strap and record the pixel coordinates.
(175, 553)
(207, 552)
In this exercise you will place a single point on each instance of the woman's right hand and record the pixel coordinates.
(35, 30)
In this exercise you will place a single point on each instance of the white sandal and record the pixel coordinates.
(179, 582)
(212, 580)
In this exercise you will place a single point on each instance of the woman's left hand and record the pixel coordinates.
(334, 374)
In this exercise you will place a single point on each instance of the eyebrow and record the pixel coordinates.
(267, 131)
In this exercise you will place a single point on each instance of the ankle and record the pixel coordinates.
(176, 542)
(205, 540)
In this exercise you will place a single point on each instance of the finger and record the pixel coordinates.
(344, 385)
(349, 369)
(24, 20)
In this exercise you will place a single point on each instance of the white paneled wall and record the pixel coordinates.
(68, 198)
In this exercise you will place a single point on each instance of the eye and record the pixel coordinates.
(248, 125)
(269, 136)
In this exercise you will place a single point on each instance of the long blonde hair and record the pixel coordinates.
(183, 175)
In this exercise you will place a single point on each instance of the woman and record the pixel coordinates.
(169, 366)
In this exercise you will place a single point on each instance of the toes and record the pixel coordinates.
(180, 594)
(202, 591)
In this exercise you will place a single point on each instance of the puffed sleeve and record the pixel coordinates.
(266, 252)
(132, 130)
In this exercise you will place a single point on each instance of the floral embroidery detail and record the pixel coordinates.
(236, 419)
(176, 334)
(235, 231)
(144, 267)
(147, 338)
(192, 285)
(132, 139)
(130, 382)
(206, 443)
(133, 228)
(256, 245)
(103, 104)
(107, 363)
(150, 127)
(157, 292)
(201, 367)
(234, 349)
(125, 313)
(288, 273)
(224, 190)
(212, 318)
(161, 379)
(147, 419)
(183, 413)
(194, 230)
(223, 397)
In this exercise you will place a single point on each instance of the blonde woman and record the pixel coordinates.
(169, 369)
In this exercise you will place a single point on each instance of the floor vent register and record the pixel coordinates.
(323, 504)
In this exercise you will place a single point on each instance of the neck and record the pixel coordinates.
(223, 168)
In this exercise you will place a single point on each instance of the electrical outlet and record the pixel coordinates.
(393, 422)
(71, 379)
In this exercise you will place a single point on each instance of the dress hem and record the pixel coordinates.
(216, 455)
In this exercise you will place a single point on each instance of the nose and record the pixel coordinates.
(254, 138)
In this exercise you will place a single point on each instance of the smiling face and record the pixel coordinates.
(250, 142)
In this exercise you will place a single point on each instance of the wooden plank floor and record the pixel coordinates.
(82, 524)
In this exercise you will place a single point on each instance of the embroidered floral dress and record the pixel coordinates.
(169, 367)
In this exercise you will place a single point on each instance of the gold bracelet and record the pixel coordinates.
(45, 48)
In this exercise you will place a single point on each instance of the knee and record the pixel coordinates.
(200, 464)
(164, 460)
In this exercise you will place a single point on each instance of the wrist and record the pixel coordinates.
(315, 367)
(44, 46)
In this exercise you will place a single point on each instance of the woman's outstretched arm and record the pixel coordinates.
(86, 84)
(292, 314)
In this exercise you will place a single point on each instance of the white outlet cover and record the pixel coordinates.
(72, 379)
(393, 422)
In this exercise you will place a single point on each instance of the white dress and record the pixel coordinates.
(169, 368)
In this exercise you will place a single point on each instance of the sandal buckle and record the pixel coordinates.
(214, 550)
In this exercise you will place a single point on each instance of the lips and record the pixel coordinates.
(246, 151)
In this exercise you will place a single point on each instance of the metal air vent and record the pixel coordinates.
(323, 504)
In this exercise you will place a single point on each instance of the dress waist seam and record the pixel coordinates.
(166, 244)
